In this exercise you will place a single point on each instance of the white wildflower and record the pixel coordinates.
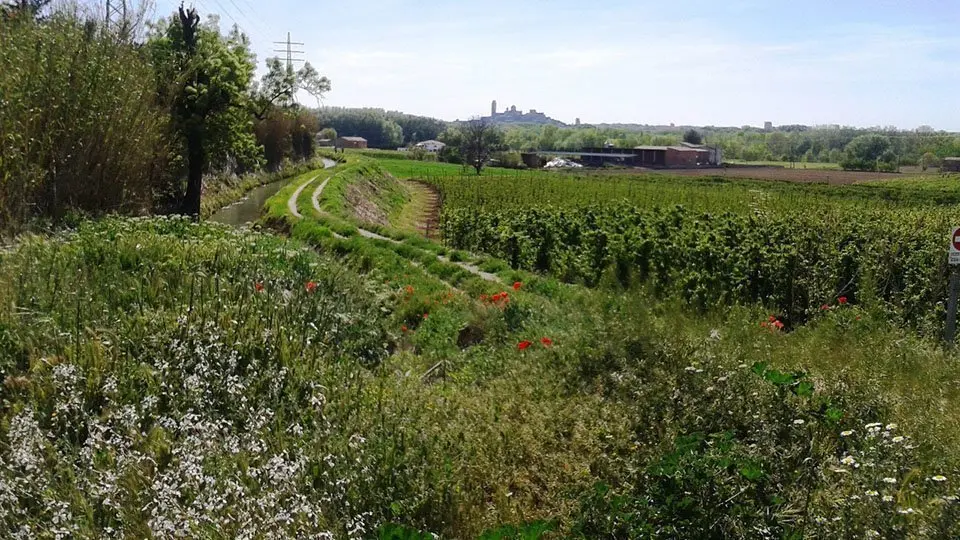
(715, 334)
(897, 439)
(872, 493)
(798, 422)
(846, 433)
(939, 478)
(890, 480)
(887, 498)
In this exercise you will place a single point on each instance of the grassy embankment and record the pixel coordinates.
(856, 349)
(163, 376)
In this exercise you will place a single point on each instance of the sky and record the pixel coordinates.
(688, 62)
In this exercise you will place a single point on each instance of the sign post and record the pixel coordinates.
(950, 331)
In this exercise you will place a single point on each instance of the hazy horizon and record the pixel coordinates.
(692, 62)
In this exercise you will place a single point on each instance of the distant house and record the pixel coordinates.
(431, 146)
(351, 142)
(950, 164)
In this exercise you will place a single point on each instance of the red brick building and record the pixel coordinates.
(351, 142)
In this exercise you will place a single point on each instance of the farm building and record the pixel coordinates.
(683, 156)
(325, 143)
(431, 146)
(351, 142)
(950, 164)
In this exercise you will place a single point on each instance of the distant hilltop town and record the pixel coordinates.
(513, 116)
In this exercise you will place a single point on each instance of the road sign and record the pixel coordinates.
(955, 246)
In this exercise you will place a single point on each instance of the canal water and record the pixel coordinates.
(247, 210)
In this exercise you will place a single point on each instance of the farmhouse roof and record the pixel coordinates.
(354, 139)
(951, 159)
(649, 147)
(430, 141)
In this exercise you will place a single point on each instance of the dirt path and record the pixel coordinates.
(292, 202)
(315, 202)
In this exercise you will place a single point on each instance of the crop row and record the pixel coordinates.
(794, 261)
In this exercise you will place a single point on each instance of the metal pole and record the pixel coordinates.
(950, 333)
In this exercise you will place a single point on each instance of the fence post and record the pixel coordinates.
(950, 333)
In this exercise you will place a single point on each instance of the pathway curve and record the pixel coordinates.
(315, 201)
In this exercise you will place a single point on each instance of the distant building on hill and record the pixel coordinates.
(431, 146)
(514, 116)
(950, 164)
(351, 142)
(768, 126)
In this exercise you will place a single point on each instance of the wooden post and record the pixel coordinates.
(950, 332)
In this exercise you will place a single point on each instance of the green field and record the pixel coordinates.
(620, 374)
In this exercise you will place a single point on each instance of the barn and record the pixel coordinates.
(351, 142)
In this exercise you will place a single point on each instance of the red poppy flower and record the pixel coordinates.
(842, 300)
(772, 318)
(778, 325)
(409, 289)
(404, 328)
(524, 345)
(517, 285)
(825, 307)
(547, 342)
(258, 286)
(311, 286)
(425, 315)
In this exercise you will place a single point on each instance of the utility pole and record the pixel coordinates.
(116, 17)
(116, 12)
(289, 51)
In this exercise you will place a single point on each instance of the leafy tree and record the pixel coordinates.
(371, 124)
(692, 136)
(279, 86)
(867, 152)
(204, 78)
(929, 161)
(479, 140)
(328, 133)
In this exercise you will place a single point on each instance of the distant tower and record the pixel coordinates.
(578, 121)
(493, 108)
(768, 126)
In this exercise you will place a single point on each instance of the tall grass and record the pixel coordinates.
(79, 128)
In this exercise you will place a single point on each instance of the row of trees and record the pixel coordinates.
(132, 117)
(382, 129)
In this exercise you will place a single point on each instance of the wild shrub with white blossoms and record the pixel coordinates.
(172, 380)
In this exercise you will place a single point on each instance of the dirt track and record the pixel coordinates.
(827, 176)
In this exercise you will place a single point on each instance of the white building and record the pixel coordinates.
(431, 146)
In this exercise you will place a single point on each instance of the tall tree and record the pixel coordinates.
(692, 136)
(479, 139)
(279, 86)
(205, 78)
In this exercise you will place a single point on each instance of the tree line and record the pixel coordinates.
(381, 129)
(134, 116)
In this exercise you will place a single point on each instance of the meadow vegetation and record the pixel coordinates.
(167, 378)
